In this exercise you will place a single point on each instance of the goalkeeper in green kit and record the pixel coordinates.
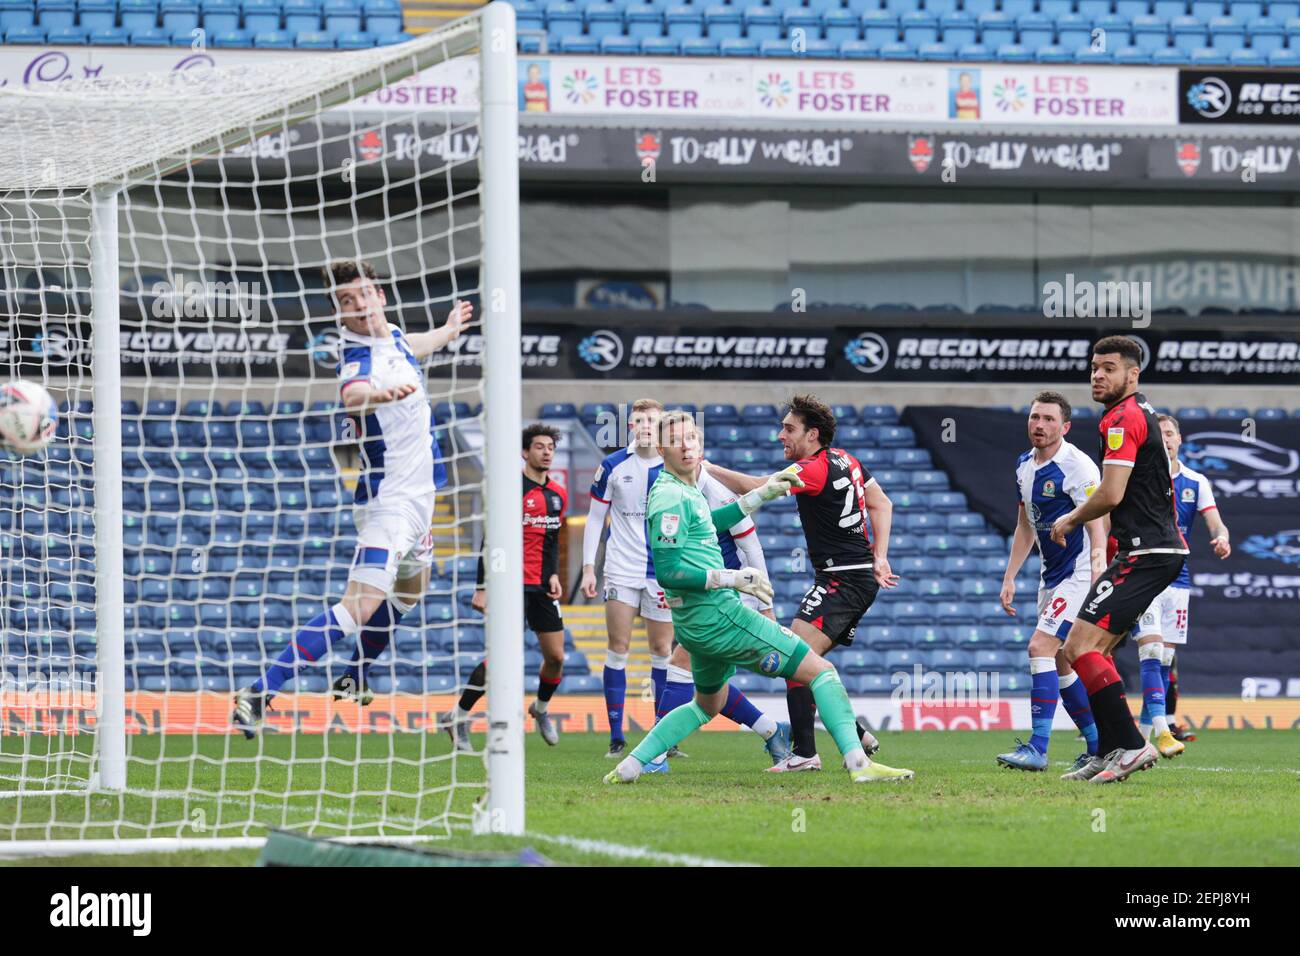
(709, 619)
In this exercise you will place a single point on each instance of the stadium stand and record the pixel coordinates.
(1242, 32)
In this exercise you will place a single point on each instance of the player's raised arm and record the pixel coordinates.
(424, 344)
(1022, 542)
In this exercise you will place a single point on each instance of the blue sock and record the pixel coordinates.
(1075, 698)
(739, 709)
(615, 681)
(1044, 690)
(1145, 716)
(378, 634)
(659, 678)
(309, 645)
(675, 694)
(1153, 690)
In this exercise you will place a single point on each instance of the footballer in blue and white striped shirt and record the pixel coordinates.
(382, 387)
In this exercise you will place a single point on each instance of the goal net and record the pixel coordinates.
(162, 238)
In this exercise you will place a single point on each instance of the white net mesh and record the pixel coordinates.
(237, 473)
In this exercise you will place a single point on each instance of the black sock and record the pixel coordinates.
(799, 699)
(546, 687)
(474, 691)
(1171, 697)
(1115, 726)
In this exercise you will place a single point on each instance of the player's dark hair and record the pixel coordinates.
(539, 430)
(814, 413)
(1048, 397)
(1161, 418)
(342, 271)
(1125, 346)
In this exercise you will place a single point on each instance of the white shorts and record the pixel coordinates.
(1058, 606)
(646, 595)
(394, 540)
(1166, 617)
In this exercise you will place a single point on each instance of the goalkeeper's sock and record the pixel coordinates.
(741, 710)
(1075, 697)
(658, 676)
(677, 725)
(1153, 686)
(837, 712)
(799, 700)
(375, 638)
(614, 679)
(546, 687)
(308, 646)
(1044, 690)
(679, 688)
(1115, 726)
(474, 691)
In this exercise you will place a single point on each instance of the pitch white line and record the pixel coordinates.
(623, 852)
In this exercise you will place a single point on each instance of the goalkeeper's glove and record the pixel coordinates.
(777, 485)
(749, 580)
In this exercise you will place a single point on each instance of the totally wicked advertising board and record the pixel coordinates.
(817, 90)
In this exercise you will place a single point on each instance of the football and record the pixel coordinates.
(28, 417)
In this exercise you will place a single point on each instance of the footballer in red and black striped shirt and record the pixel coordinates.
(1136, 491)
(544, 503)
(846, 518)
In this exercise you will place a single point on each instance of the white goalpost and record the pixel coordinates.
(161, 241)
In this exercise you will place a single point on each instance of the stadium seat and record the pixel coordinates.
(958, 28)
(180, 15)
(684, 23)
(56, 14)
(342, 16)
(271, 40)
(1266, 35)
(136, 15)
(67, 36)
(384, 18)
(919, 27)
(996, 29)
(1270, 413)
(700, 46)
(25, 34)
(839, 25)
(1232, 412)
(301, 16)
(1188, 34)
(15, 14)
(880, 27)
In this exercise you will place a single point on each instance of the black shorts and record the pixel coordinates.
(1126, 589)
(836, 602)
(541, 613)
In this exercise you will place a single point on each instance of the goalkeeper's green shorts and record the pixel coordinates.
(735, 636)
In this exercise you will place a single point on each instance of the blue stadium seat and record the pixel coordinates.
(26, 34)
(879, 27)
(1266, 35)
(180, 15)
(270, 40)
(996, 29)
(1133, 8)
(700, 46)
(958, 28)
(1017, 8)
(1134, 55)
(919, 28)
(1056, 8)
(684, 23)
(840, 25)
(219, 16)
(603, 20)
(720, 22)
(342, 16)
(15, 14)
(110, 36)
(68, 36)
(644, 21)
(1150, 33)
(300, 16)
(1036, 31)
(761, 23)
(56, 14)
(1188, 34)
(314, 40)
(383, 18)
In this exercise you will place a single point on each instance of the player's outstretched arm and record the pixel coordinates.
(1098, 530)
(734, 480)
(1114, 479)
(360, 397)
(424, 344)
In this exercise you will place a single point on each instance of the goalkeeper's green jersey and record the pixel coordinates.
(683, 535)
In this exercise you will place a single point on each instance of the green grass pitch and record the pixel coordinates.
(1230, 800)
